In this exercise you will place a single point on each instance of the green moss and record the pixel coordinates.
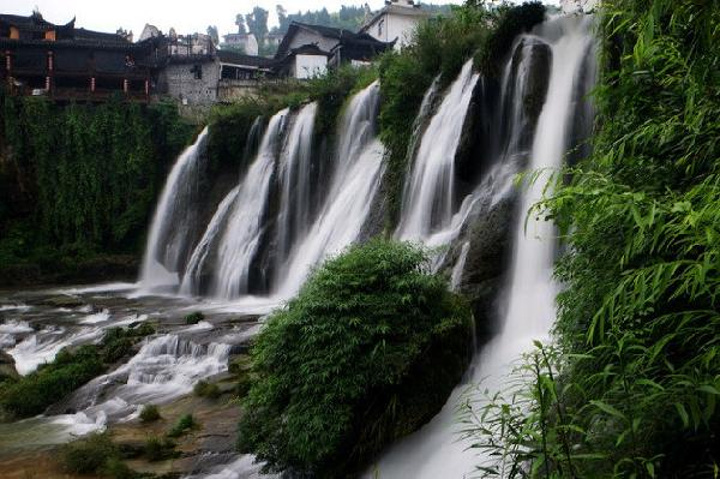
(345, 368)
(194, 318)
(33, 393)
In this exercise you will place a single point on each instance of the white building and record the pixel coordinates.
(247, 42)
(395, 22)
(309, 50)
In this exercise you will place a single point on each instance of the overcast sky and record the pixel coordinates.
(184, 16)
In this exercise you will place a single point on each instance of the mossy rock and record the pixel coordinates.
(367, 353)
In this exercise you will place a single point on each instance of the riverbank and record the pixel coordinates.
(89, 270)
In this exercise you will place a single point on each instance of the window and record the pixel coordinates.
(196, 70)
(381, 24)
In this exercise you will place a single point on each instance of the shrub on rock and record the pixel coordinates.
(368, 352)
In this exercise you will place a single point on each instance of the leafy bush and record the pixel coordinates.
(194, 318)
(32, 394)
(88, 455)
(150, 413)
(184, 425)
(206, 389)
(633, 389)
(368, 352)
(159, 449)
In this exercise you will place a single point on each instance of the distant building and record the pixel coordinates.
(197, 74)
(308, 50)
(150, 31)
(247, 42)
(189, 45)
(241, 74)
(395, 22)
(68, 63)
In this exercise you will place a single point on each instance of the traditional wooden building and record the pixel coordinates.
(308, 50)
(74, 64)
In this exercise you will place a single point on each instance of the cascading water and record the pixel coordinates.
(295, 177)
(354, 185)
(429, 197)
(435, 450)
(165, 368)
(173, 220)
(192, 278)
(241, 235)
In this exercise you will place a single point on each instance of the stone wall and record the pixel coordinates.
(181, 82)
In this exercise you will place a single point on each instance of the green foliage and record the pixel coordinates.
(439, 49)
(159, 449)
(509, 23)
(184, 425)
(367, 353)
(206, 389)
(88, 455)
(97, 455)
(33, 393)
(115, 468)
(150, 413)
(194, 318)
(90, 175)
(230, 126)
(638, 326)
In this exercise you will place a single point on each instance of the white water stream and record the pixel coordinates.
(171, 225)
(436, 450)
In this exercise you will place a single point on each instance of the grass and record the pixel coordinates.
(149, 413)
(184, 425)
(206, 389)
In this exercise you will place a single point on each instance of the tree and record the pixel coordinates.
(283, 19)
(212, 31)
(257, 22)
(240, 22)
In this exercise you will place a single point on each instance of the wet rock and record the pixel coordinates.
(490, 236)
(7, 367)
(63, 301)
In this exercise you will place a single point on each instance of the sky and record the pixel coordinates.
(186, 17)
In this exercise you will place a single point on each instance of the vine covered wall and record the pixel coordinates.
(81, 180)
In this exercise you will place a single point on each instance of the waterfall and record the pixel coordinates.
(238, 238)
(241, 237)
(435, 450)
(166, 368)
(173, 220)
(193, 273)
(354, 185)
(296, 180)
(429, 197)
